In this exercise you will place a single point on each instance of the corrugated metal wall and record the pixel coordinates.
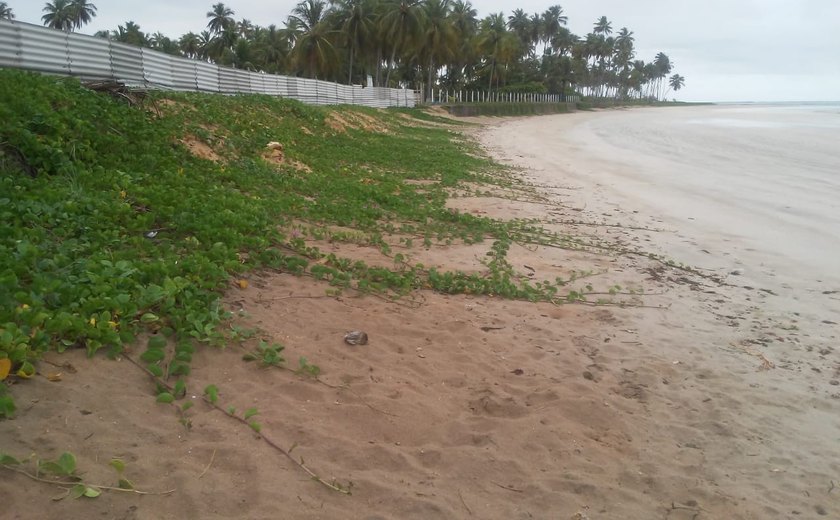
(35, 48)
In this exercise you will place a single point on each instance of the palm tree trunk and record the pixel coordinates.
(390, 66)
(431, 68)
(350, 72)
(492, 70)
(378, 66)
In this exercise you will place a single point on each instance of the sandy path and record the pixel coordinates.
(707, 405)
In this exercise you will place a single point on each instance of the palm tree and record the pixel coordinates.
(245, 29)
(221, 18)
(314, 53)
(439, 37)
(157, 40)
(603, 26)
(464, 20)
(663, 67)
(402, 23)
(83, 12)
(59, 15)
(205, 42)
(623, 58)
(497, 44)
(131, 34)
(6, 12)
(308, 13)
(676, 82)
(292, 30)
(223, 43)
(273, 49)
(190, 45)
(562, 42)
(552, 20)
(354, 20)
(520, 24)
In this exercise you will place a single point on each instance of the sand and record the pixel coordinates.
(707, 400)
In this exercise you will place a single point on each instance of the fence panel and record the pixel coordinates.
(127, 64)
(31, 47)
(306, 91)
(184, 74)
(207, 77)
(257, 81)
(89, 58)
(10, 45)
(243, 81)
(157, 69)
(227, 81)
(43, 51)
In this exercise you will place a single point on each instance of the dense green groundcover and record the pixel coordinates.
(110, 227)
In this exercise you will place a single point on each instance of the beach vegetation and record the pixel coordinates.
(114, 231)
(64, 474)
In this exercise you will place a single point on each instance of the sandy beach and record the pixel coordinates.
(713, 394)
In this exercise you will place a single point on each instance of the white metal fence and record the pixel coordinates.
(438, 96)
(31, 47)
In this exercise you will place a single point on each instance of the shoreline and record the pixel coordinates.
(755, 311)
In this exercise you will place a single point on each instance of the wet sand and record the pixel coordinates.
(759, 187)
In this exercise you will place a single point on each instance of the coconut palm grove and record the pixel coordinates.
(419, 44)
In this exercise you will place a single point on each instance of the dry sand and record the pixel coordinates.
(711, 401)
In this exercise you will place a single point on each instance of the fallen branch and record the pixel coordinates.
(212, 458)
(267, 440)
(509, 488)
(464, 502)
(69, 485)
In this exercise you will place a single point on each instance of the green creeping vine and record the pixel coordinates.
(112, 230)
(62, 472)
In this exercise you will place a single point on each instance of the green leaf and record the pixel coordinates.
(180, 389)
(156, 370)
(255, 426)
(67, 462)
(8, 460)
(157, 342)
(118, 465)
(186, 406)
(153, 356)
(77, 491)
(149, 318)
(125, 484)
(92, 492)
(7, 406)
(165, 397)
(250, 412)
(50, 467)
(212, 393)
(26, 370)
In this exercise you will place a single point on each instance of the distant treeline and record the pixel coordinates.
(410, 43)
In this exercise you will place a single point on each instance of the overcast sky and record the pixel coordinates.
(728, 50)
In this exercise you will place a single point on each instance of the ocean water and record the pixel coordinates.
(752, 189)
(764, 178)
